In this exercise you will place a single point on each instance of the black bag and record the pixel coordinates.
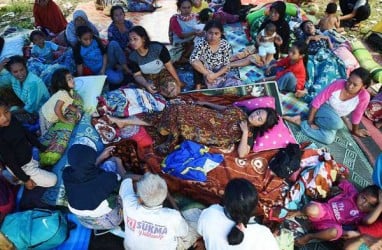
(286, 161)
(375, 41)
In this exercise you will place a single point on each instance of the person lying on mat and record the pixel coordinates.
(232, 226)
(350, 207)
(207, 123)
(290, 72)
(313, 38)
(336, 101)
(151, 65)
(210, 59)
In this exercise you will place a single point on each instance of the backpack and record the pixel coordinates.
(36, 229)
(7, 198)
(286, 161)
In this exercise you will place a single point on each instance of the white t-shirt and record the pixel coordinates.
(149, 228)
(342, 108)
(214, 226)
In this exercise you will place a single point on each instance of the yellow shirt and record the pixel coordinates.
(204, 5)
(48, 108)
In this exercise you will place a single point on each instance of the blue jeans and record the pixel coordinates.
(328, 122)
(287, 83)
(115, 56)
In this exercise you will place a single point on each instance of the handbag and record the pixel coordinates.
(36, 229)
(286, 161)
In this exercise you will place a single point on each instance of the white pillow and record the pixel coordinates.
(13, 46)
(89, 88)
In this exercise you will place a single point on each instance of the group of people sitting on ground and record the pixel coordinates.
(97, 193)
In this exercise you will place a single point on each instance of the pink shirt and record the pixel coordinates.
(344, 206)
(356, 105)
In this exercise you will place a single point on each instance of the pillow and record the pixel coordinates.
(12, 46)
(258, 102)
(345, 55)
(277, 137)
(89, 88)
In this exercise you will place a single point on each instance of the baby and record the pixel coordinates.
(347, 208)
(266, 39)
(331, 21)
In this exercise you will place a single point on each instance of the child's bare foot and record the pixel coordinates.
(293, 119)
(117, 121)
(300, 93)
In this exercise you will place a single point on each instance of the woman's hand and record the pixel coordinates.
(30, 184)
(106, 153)
(211, 77)
(151, 88)
(361, 132)
(244, 126)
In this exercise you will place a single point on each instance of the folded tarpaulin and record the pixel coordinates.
(190, 161)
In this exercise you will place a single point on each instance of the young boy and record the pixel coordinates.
(16, 151)
(331, 21)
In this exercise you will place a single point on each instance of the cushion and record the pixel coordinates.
(350, 61)
(13, 46)
(277, 137)
(258, 102)
(89, 88)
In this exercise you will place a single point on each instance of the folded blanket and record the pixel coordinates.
(126, 102)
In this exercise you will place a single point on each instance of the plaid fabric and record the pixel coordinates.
(236, 36)
(292, 105)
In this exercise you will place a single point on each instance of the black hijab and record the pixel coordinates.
(282, 26)
(86, 184)
(1, 44)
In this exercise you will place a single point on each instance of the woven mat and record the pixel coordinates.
(235, 35)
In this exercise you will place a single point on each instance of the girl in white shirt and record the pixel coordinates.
(231, 226)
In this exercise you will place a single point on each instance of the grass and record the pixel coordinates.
(17, 13)
(20, 12)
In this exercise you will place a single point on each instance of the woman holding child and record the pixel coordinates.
(331, 106)
(151, 65)
(277, 17)
(211, 59)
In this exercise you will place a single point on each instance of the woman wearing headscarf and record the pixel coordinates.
(79, 19)
(277, 17)
(48, 15)
(91, 190)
